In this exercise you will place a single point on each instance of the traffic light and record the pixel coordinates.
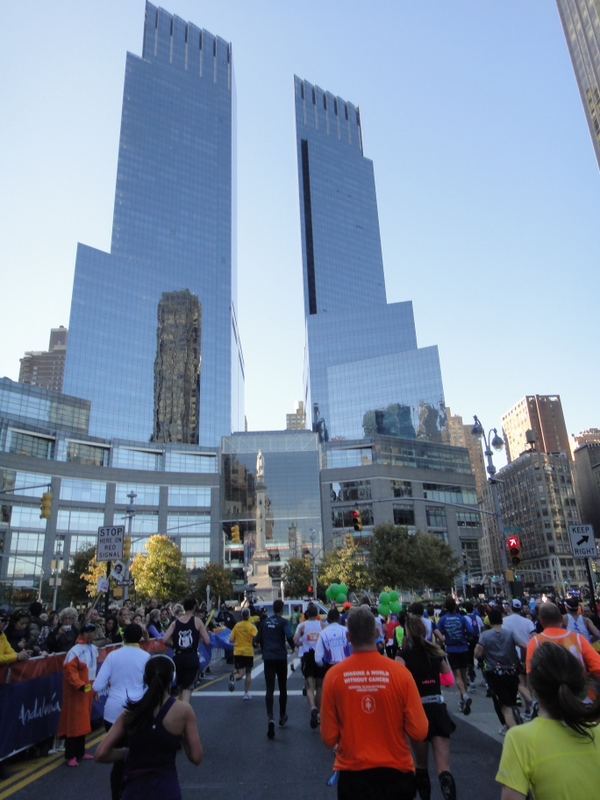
(309, 589)
(514, 550)
(349, 540)
(235, 534)
(46, 505)
(126, 548)
(357, 519)
(307, 560)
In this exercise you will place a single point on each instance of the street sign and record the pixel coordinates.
(583, 541)
(110, 543)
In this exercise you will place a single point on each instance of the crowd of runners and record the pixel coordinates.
(374, 687)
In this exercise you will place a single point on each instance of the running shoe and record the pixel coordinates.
(247, 696)
(304, 690)
(503, 730)
(466, 709)
(73, 763)
(88, 757)
(314, 718)
(271, 729)
(231, 686)
(283, 720)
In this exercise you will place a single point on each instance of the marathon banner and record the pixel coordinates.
(29, 711)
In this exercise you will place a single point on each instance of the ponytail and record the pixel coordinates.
(158, 676)
(557, 679)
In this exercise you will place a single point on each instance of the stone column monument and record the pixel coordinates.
(260, 560)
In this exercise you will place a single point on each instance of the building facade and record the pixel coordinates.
(587, 484)
(421, 485)
(291, 510)
(172, 232)
(44, 443)
(364, 373)
(581, 23)
(537, 500)
(540, 415)
(46, 368)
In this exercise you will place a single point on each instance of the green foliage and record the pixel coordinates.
(344, 565)
(160, 572)
(217, 577)
(296, 577)
(410, 561)
(80, 578)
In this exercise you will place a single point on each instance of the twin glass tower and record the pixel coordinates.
(153, 336)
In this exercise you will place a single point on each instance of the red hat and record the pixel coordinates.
(347, 606)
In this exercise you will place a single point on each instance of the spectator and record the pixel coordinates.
(21, 634)
(7, 654)
(64, 636)
(111, 630)
(154, 628)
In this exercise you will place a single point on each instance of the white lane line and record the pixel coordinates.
(239, 695)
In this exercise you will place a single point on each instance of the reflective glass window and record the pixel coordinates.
(148, 494)
(86, 491)
(191, 462)
(27, 517)
(28, 444)
(22, 542)
(189, 496)
(79, 520)
(129, 458)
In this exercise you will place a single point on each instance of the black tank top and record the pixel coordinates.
(153, 747)
(186, 638)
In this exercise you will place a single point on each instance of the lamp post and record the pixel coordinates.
(497, 443)
(56, 566)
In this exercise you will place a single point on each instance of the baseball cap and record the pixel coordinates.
(516, 604)
(572, 602)
(88, 626)
(347, 605)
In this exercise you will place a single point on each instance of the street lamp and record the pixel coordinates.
(497, 443)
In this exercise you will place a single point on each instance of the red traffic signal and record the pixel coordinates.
(357, 519)
(514, 549)
(309, 589)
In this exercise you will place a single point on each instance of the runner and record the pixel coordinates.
(575, 621)
(333, 645)
(308, 634)
(456, 630)
(271, 638)
(242, 637)
(184, 635)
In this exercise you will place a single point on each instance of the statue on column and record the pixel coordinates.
(260, 465)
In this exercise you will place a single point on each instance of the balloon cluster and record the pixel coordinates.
(389, 601)
(338, 592)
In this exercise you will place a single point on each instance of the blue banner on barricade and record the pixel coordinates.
(221, 639)
(29, 712)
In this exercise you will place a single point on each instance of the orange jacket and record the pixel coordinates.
(573, 642)
(370, 705)
(76, 706)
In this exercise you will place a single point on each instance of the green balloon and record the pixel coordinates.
(335, 588)
(394, 596)
(383, 609)
(384, 598)
(343, 588)
(341, 597)
(395, 607)
(329, 594)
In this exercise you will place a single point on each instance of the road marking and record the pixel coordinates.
(293, 693)
(37, 770)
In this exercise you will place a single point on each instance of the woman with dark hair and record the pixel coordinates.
(155, 728)
(111, 630)
(154, 628)
(555, 756)
(425, 660)
(21, 633)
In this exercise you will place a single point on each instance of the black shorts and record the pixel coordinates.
(458, 660)
(440, 722)
(243, 662)
(187, 666)
(379, 783)
(504, 687)
(309, 667)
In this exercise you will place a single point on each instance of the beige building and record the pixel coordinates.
(46, 368)
(541, 414)
(297, 420)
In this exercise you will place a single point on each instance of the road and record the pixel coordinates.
(240, 762)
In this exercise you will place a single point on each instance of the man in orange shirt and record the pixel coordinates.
(554, 631)
(370, 706)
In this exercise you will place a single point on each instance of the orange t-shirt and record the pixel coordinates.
(572, 641)
(370, 704)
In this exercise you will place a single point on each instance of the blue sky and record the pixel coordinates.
(488, 188)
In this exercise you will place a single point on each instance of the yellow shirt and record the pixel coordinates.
(7, 654)
(241, 637)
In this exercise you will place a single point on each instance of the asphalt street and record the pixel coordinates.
(241, 763)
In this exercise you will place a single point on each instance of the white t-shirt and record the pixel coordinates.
(521, 626)
(123, 672)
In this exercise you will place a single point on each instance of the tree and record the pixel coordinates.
(296, 577)
(218, 578)
(390, 557)
(80, 578)
(160, 572)
(402, 560)
(343, 565)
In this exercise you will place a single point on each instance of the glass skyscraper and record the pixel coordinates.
(364, 373)
(173, 232)
(581, 23)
